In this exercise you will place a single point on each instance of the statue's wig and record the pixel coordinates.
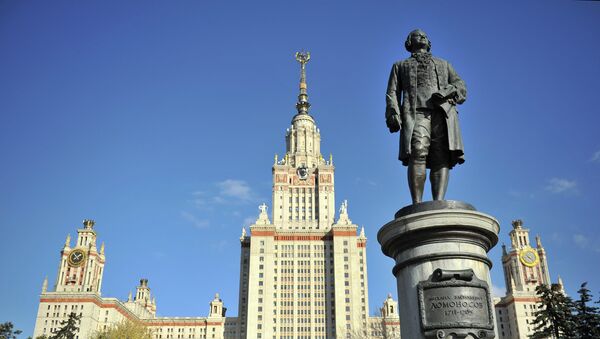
(408, 44)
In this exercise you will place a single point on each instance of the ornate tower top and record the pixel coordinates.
(88, 224)
(303, 182)
(303, 105)
(517, 224)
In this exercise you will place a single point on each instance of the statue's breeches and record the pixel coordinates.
(429, 141)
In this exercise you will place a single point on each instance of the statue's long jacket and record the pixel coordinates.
(402, 90)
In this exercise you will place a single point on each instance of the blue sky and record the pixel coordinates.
(160, 120)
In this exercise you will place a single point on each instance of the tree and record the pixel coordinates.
(125, 330)
(376, 324)
(554, 317)
(586, 317)
(69, 328)
(7, 332)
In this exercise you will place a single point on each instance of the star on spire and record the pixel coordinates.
(303, 105)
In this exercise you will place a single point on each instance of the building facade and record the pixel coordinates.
(78, 290)
(303, 272)
(525, 267)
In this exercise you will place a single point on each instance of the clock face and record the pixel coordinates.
(76, 258)
(529, 257)
(303, 173)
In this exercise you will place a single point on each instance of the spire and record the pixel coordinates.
(102, 248)
(129, 297)
(512, 283)
(45, 285)
(538, 241)
(504, 253)
(561, 286)
(68, 241)
(303, 105)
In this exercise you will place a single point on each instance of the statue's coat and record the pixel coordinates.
(402, 88)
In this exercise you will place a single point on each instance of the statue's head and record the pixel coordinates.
(417, 39)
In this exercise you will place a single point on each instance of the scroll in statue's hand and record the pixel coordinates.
(438, 96)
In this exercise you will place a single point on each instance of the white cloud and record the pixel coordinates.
(498, 291)
(596, 157)
(558, 185)
(237, 189)
(200, 198)
(557, 237)
(584, 242)
(580, 240)
(248, 221)
(230, 191)
(195, 221)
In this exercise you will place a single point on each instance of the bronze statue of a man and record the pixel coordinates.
(421, 100)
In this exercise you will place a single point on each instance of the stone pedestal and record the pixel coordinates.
(452, 239)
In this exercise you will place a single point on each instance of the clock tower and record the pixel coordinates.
(81, 266)
(525, 268)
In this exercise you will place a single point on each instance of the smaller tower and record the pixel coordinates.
(390, 308)
(142, 293)
(525, 265)
(387, 325)
(144, 297)
(81, 266)
(525, 268)
(216, 308)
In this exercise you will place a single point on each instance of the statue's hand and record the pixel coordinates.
(393, 123)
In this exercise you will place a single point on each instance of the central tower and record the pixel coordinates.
(302, 273)
(303, 185)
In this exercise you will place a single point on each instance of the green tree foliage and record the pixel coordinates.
(125, 330)
(7, 331)
(586, 317)
(554, 317)
(69, 328)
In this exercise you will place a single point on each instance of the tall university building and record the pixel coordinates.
(303, 273)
